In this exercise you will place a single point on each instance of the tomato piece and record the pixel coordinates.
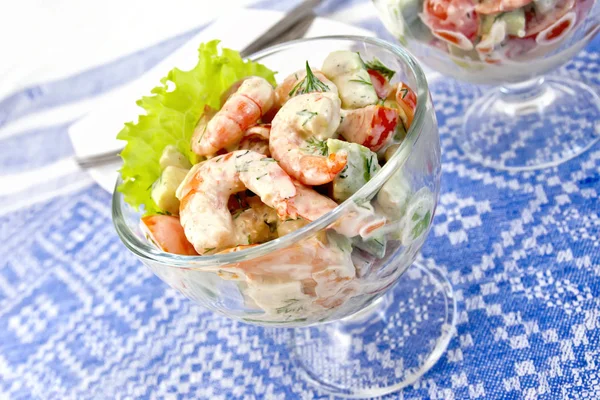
(383, 125)
(371, 126)
(558, 30)
(380, 83)
(167, 233)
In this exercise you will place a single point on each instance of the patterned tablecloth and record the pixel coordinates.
(82, 318)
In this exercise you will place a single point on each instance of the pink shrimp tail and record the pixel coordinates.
(319, 170)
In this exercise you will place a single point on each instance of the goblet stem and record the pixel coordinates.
(535, 124)
(385, 347)
(523, 90)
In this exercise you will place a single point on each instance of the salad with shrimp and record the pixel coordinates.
(230, 159)
(490, 31)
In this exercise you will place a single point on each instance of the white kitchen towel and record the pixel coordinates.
(44, 41)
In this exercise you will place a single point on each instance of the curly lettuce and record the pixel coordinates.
(171, 115)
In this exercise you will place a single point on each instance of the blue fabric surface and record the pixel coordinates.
(82, 318)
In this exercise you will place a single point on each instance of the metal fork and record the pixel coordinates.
(293, 26)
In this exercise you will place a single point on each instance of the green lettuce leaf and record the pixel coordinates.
(172, 114)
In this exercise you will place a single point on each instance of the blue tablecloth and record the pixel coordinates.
(80, 317)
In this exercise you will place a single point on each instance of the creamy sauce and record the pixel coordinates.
(347, 71)
(313, 115)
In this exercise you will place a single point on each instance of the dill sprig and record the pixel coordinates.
(315, 146)
(309, 84)
(308, 114)
(363, 81)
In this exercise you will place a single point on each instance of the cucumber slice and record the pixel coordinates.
(419, 213)
(163, 190)
(361, 165)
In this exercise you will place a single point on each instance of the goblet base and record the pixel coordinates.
(532, 125)
(386, 347)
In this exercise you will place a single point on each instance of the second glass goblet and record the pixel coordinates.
(530, 121)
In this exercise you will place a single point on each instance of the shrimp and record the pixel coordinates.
(297, 137)
(166, 232)
(243, 109)
(256, 139)
(499, 6)
(286, 87)
(453, 21)
(313, 271)
(371, 126)
(311, 205)
(204, 196)
(406, 99)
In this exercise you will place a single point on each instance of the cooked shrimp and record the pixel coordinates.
(453, 21)
(314, 270)
(287, 86)
(256, 139)
(406, 99)
(499, 6)
(203, 211)
(231, 90)
(166, 232)
(297, 135)
(371, 126)
(243, 109)
(311, 205)
(309, 256)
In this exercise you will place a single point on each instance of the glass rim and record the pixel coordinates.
(147, 251)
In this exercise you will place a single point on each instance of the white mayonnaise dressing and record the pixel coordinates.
(347, 71)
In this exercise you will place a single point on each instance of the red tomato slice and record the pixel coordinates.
(167, 233)
(380, 83)
(558, 30)
(371, 126)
